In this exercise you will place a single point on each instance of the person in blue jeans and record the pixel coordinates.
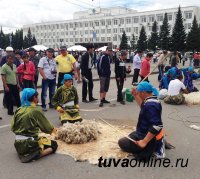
(47, 69)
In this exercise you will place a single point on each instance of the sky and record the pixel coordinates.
(16, 13)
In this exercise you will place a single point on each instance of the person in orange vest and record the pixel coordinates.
(149, 139)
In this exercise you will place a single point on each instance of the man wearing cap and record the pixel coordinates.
(47, 69)
(66, 101)
(86, 72)
(9, 51)
(10, 84)
(136, 66)
(120, 75)
(33, 58)
(189, 76)
(27, 122)
(148, 136)
(104, 72)
(66, 65)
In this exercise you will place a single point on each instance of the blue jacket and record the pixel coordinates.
(188, 79)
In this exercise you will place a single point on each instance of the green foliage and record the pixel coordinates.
(193, 38)
(142, 42)
(178, 37)
(124, 42)
(153, 40)
(164, 36)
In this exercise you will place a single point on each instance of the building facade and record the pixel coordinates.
(104, 26)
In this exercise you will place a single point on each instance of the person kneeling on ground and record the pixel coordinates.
(65, 100)
(148, 136)
(190, 75)
(175, 91)
(167, 77)
(26, 123)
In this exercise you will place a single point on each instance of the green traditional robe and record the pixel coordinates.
(28, 121)
(65, 95)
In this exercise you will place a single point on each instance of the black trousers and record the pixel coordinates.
(35, 81)
(143, 78)
(28, 84)
(60, 78)
(135, 75)
(120, 85)
(130, 147)
(87, 87)
(10, 96)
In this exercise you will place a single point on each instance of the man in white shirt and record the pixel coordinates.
(136, 66)
(175, 91)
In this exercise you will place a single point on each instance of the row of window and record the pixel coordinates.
(141, 19)
(103, 39)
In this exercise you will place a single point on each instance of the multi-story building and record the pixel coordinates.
(104, 26)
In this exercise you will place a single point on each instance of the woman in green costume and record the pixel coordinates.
(26, 123)
(65, 101)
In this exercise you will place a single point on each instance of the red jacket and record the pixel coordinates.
(145, 68)
(27, 72)
(196, 56)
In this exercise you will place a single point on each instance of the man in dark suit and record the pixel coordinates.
(86, 72)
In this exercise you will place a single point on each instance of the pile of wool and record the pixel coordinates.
(79, 132)
(192, 98)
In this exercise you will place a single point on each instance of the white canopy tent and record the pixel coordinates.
(103, 49)
(77, 48)
(40, 47)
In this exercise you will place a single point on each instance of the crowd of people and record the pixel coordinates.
(20, 71)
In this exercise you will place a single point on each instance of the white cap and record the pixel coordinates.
(9, 49)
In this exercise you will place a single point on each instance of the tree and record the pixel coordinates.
(133, 44)
(153, 40)
(178, 37)
(34, 41)
(2, 36)
(25, 42)
(29, 38)
(142, 42)
(124, 42)
(193, 38)
(164, 36)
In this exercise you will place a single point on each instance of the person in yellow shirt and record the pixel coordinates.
(66, 65)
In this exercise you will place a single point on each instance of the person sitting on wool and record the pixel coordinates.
(189, 76)
(167, 77)
(26, 123)
(148, 136)
(65, 100)
(176, 90)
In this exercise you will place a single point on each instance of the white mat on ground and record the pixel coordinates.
(192, 98)
(105, 146)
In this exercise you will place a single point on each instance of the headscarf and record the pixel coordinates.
(190, 69)
(27, 93)
(147, 87)
(66, 77)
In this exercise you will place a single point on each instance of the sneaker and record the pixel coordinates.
(135, 84)
(51, 106)
(105, 101)
(0, 118)
(122, 102)
(101, 104)
(85, 101)
(93, 99)
(44, 109)
(39, 104)
(29, 157)
(10, 113)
